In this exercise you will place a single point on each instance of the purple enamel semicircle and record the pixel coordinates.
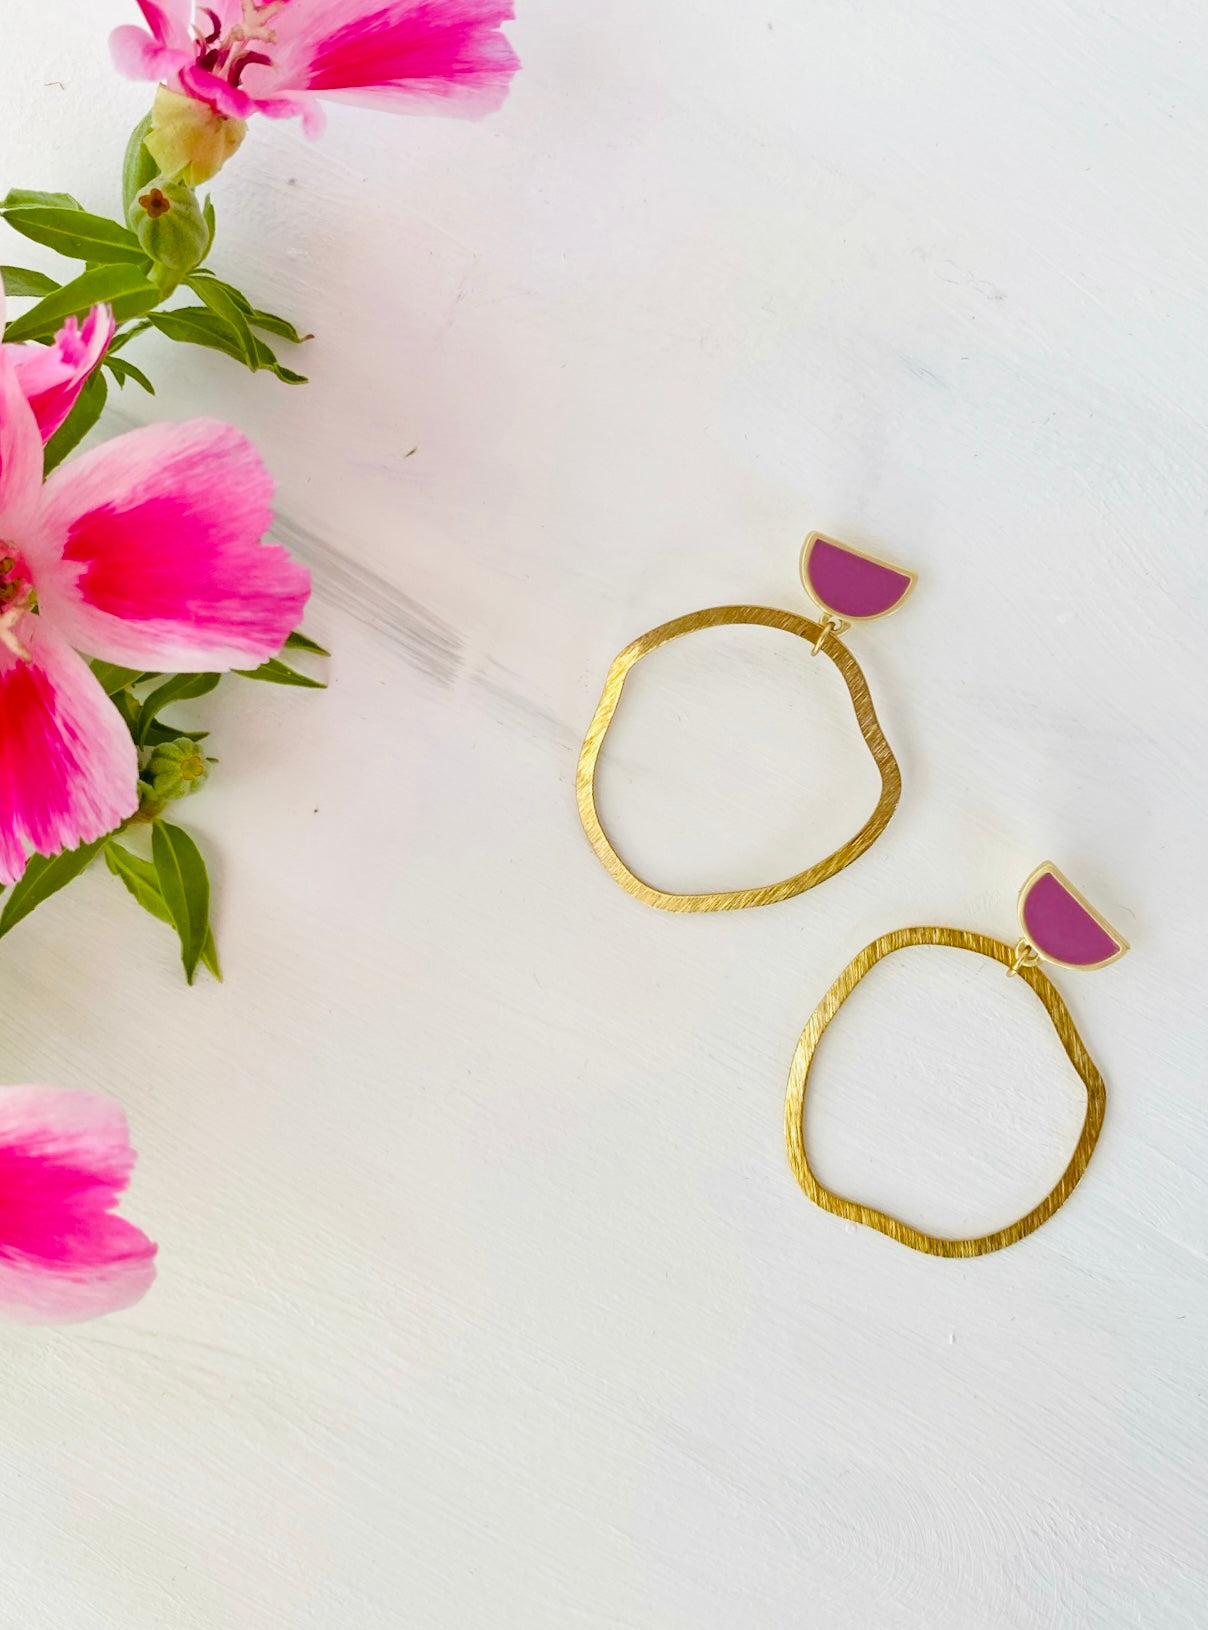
(851, 585)
(1061, 927)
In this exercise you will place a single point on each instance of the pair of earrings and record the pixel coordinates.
(1056, 923)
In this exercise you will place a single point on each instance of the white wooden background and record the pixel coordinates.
(487, 1298)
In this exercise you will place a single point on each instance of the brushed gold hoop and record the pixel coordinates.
(823, 638)
(1008, 955)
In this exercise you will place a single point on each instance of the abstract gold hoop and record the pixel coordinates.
(1065, 929)
(850, 587)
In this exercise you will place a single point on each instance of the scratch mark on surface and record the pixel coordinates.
(427, 642)
(504, 689)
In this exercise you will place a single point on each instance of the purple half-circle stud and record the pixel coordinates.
(850, 584)
(1062, 926)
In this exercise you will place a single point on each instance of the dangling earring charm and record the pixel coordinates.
(850, 587)
(1058, 925)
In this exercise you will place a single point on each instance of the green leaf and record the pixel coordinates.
(44, 876)
(221, 302)
(195, 325)
(241, 300)
(22, 198)
(274, 672)
(185, 885)
(267, 320)
(124, 339)
(138, 302)
(140, 877)
(76, 234)
(156, 734)
(19, 282)
(277, 325)
(207, 213)
(87, 409)
(266, 359)
(123, 370)
(180, 688)
(298, 641)
(114, 678)
(103, 283)
(127, 706)
(142, 880)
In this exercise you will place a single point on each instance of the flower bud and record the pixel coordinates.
(188, 140)
(167, 219)
(176, 769)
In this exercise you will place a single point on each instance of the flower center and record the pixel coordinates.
(17, 600)
(226, 54)
(155, 203)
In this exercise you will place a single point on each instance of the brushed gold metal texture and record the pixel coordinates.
(815, 634)
(982, 945)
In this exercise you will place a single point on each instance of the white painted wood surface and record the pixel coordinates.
(487, 1298)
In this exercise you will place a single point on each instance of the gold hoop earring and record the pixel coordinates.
(850, 587)
(1058, 925)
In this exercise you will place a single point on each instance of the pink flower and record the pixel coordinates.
(52, 376)
(65, 1158)
(144, 552)
(279, 56)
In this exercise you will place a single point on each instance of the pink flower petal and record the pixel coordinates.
(52, 376)
(148, 552)
(297, 105)
(68, 768)
(65, 1159)
(417, 56)
(216, 92)
(446, 56)
(20, 453)
(160, 54)
(137, 56)
(170, 20)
